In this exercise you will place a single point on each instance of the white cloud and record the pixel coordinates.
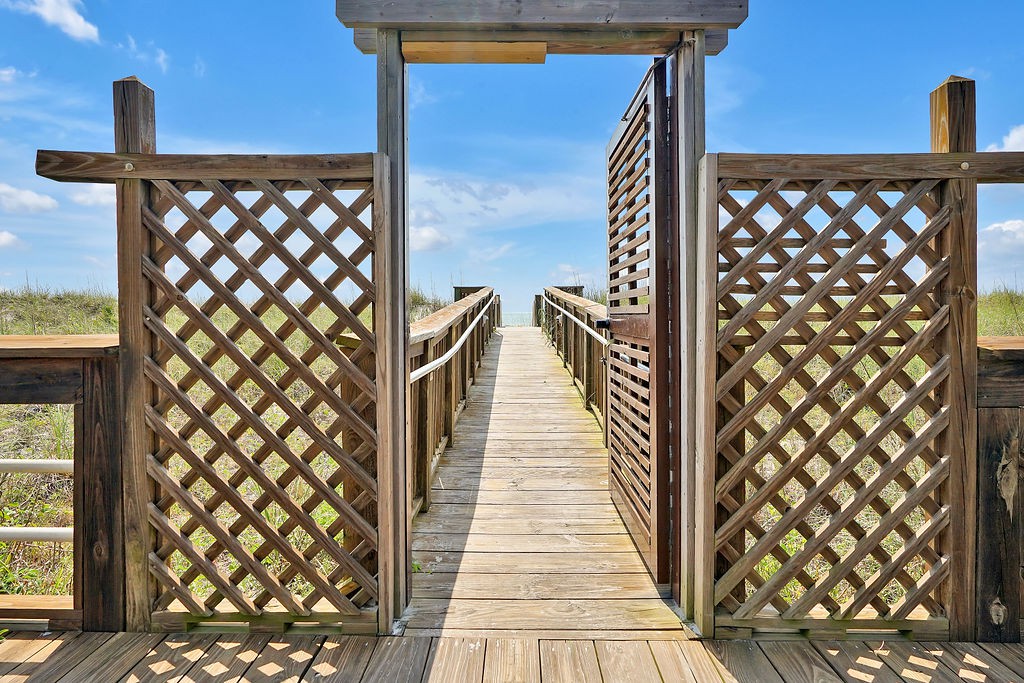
(1011, 231)
(428, 239)
(149, 53)
(95, 195)
(1012, 141)
(24, 201)
(64, 14)
(199, 67)
(8, 74)
(162, 59)
(8, 239)
(1001, 252)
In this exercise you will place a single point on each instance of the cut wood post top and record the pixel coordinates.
(58, 346)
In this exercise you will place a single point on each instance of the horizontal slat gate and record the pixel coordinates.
(638, 242)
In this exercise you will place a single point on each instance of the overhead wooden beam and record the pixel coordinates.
(607, 42)
(679, 15)
(476, 52)
(985, 167)
(97, 167)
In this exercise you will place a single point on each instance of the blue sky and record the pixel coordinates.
(507, 161)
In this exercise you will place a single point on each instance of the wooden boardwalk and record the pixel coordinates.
(225, 658)
(522, 538)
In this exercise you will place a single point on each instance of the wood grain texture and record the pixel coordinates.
(621, 15)
(455, 659)
(341, 658)
(474, 52)
(398, 660)
(569, 661)
(512, 660)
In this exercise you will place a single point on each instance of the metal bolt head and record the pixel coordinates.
(964, 166)
(129, 166)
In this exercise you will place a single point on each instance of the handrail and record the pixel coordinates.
(586, 328)
(37, 534)
(420, 373)
(33, 466)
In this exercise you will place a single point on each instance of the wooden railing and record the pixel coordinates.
(444, 353)
(570, 322)
(82, 371)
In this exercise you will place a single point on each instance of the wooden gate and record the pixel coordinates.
(639, 254)
(259, 482)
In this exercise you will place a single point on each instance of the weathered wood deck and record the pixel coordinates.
(522, 538)
(225, 658)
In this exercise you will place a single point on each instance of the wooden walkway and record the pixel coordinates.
(522, 538)
(223, 658)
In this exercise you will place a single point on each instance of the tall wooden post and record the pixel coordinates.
(953, 129)
(392, 332)
(134, 132)
(687, 80)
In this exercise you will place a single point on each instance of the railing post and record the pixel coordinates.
(424, 445)
(953, 129)
(451, 388)
(134, 132)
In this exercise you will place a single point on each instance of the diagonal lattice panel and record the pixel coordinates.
(832, 408)
(263, 424)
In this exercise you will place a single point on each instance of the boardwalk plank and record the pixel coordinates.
(398, 660)
(626, 661)
(455, 659)
(533, 586)
(744, 661)
(799, 662)
(115, 658)
(55, 659)
(912, 661)
(971, 662)
(171, 658)
(512, 660)
(569, 661)
(341, 658)
(855, 662)
(227, 659)
(492, 614)
(20, 646)
(283, 660)
(673, 666)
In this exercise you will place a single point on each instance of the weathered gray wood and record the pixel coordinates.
(134, 133)
(688, 126)
(574, 42)
(49, 380)
(391, 277)
(623, 15)
(99, 167)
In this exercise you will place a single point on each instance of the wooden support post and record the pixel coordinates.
(391, 328)
(99, 524)
(449, 394)
(687, 80)
(424, 444)
(134, 132)
(953, 129)
(999, 508)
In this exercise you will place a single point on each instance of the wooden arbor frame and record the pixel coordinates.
(438, 31)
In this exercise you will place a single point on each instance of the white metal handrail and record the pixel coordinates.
(433, 365)
(586, 327)
(37, 534)
(26, 466)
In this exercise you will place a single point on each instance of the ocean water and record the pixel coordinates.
(516, 319)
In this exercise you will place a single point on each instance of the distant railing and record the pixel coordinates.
(81, 371)
(445, 349)
(570, 322)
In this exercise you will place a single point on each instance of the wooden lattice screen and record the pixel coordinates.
(264, 439)
(639, 224)
(829, 439)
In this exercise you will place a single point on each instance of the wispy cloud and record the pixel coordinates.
(15, 200)
(149, 53)
(8, 74)
(199, 67)
(1012, 141)
(95, 195)
(428, 238)
(8, 239)
(493, 253)
(64, 14)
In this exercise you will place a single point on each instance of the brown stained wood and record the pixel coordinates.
(512, 660)
(56, 658)
(114, 659)
(1010, 656)
(954, 129)
(99, 167)
(1000, 374)
(855, 662)
(227, 659)
(971, 662)
(984, 167)
(798, 661)
(999, 516)
(569, 661)
(40, 380)
(626, 661)
(19, 647)
(474, 52)
(98, 499)
(455, 659)
(1001, 348)
(551, 543)
(134, 133)
(673, 666)
(168, 661)
(912, 661)
(341, 658)
(620, 15)
(283, 660)
(744, 661)
(58, 346)
(398, 660)
(575, 42)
